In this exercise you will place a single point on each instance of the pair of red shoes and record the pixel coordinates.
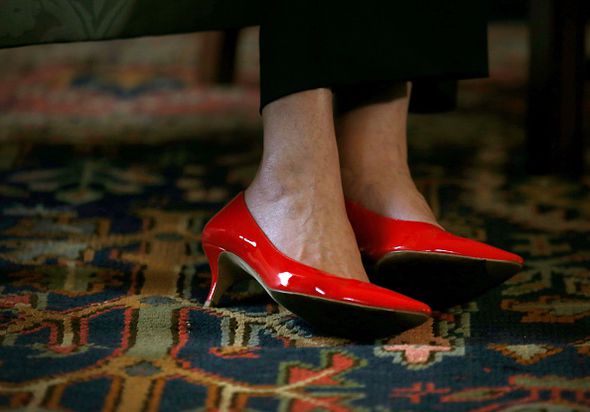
(414, 258)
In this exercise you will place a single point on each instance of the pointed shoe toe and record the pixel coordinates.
(236, 247)
(426, 262)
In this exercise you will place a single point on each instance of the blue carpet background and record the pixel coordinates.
(103, 279)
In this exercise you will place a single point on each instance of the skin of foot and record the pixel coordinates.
(371, 135)
(296, 196)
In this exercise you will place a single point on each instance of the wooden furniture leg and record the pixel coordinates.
(217, 56)
(555, 98)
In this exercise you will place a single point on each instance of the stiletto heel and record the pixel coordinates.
(426, 262)
(217, 287)
(224, 273)
(236, 246)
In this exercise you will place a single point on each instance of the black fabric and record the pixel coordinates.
(304, 44)
(307, 44)
(26, 22)
(182, 16)
(431, 95)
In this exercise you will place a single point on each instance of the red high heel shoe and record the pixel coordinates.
(426, 262)
(236, 246)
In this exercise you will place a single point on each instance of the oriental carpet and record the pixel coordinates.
(103, 278)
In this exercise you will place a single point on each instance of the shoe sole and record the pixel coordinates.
(338, 318)
(440, 280)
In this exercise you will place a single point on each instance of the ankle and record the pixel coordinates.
(269, 187)
(372, 159)
(382, 179)
(301, 174)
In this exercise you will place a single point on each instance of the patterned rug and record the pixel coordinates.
(141, 90)
(103, 278)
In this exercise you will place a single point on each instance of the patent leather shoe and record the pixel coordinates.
(236, 247)
(426, 262)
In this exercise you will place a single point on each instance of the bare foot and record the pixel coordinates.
(373, 157)
(296, 197)
(308, 226)
(392, 194)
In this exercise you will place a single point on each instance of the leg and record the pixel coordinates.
(371, 127)
(555, 99)
(407, 255)
(296, 196)
(217, 55)
(296, 200)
